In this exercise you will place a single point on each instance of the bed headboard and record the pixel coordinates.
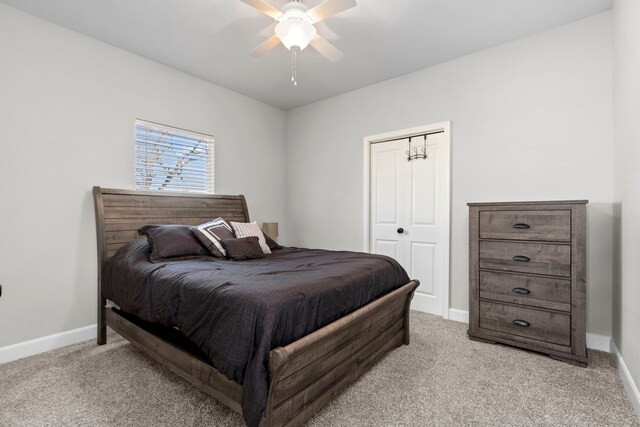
(120, 213)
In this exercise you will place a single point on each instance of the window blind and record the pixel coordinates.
(172, 159)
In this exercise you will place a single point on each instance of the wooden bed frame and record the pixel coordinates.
(304, 375)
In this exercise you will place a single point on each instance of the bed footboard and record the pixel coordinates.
(308, 373)
(303, 376)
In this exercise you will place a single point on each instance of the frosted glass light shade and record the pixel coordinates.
(295, 33)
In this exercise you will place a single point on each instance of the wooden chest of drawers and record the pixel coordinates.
(527, 271)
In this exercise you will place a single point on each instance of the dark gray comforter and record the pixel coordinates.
(238, 311)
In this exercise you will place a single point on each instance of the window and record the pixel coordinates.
(171, 159)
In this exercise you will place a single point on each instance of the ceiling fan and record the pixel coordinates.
(296, 29)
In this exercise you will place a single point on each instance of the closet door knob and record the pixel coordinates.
(400, 230)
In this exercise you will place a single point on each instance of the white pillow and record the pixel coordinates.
(246, 229)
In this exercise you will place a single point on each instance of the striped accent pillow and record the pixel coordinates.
(211, 233)
(246, 229)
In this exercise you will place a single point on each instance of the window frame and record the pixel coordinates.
(176, 132)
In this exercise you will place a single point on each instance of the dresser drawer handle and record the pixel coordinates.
(522, 323)
(521, 226)
(521, 258)
(521, 291)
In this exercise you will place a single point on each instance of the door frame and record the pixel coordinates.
(444, 207)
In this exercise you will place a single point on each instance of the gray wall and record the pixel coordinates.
(67, 108)
(531, 120)
(626, 301)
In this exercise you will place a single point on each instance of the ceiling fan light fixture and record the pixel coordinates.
(295, 33)
(295, 28)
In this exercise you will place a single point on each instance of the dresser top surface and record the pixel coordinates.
(535, 202)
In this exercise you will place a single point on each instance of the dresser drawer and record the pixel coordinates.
(551, 225)
(526, 322)
(532, 291)
(538, 258)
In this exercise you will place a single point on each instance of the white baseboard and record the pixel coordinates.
(594, 341)
(51, 342)
(599, 342)
(459, 315)
(629, 385)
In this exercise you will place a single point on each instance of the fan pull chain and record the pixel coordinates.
(294, 65)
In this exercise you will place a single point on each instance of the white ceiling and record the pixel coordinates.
(381, 39)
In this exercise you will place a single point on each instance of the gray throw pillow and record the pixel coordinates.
(243, 248)
(172, 241)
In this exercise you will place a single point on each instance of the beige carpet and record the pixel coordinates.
(441, 379)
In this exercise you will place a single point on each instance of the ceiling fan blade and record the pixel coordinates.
(326, 49)
(329, 8)
(263, 7)
(266, 46)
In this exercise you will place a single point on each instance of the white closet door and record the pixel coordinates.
(388, 199)
(406, 215)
